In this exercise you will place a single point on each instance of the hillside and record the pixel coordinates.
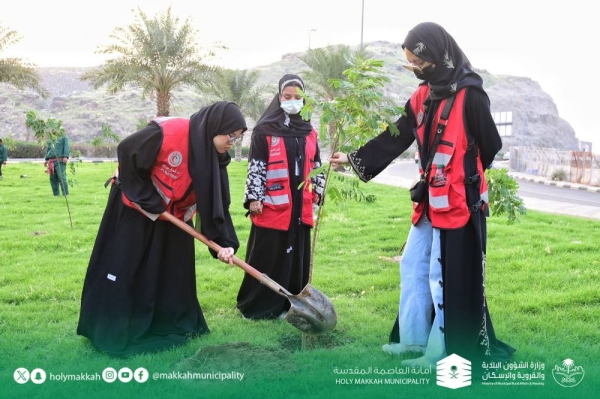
(83, 110)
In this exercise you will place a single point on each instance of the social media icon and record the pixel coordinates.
(141, 375)
(38, 376)
(125, 374)
(21, 375)
(109, 374)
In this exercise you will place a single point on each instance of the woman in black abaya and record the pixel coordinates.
(139, 293)
(279, 241)
(443, 306)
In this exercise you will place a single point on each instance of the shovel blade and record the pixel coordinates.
(311, 311)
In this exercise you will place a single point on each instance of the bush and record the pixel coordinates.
(27, 149)
(559, 175)
(30, 149)
(502, 190)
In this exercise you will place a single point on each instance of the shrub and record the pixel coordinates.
(559, 175)
(31, 149)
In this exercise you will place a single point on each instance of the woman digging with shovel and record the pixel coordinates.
(139, 293)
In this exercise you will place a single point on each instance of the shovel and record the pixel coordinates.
(310, 312)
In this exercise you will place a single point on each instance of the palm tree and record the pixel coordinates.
(14, 71)
(158, 54)
(325, 64)
(240, 86)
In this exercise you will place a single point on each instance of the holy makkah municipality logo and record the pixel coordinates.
(568, 375)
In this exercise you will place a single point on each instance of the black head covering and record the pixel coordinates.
(453, 71)
(276, 122)
(207, 167)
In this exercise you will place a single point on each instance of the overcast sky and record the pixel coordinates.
(554, 42)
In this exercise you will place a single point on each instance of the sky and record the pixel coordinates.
(552, 42)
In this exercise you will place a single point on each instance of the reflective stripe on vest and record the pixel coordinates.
(277, 174)
(277, 199)
(441, 158)
(439, 202)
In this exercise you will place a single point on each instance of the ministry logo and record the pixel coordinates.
(568, 375)
(454, 372)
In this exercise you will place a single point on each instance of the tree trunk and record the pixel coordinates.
(163, 101)
(238, 150)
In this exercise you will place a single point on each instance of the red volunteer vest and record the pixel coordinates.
(277, 208)
(447, 204)
(170, 174)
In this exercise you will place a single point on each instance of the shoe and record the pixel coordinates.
(400, 349)
(418, 362)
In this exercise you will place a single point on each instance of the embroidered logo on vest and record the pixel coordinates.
(274, 141)
(175, 159)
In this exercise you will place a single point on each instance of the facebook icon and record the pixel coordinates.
(141, 375)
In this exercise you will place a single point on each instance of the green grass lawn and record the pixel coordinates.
(542, 290)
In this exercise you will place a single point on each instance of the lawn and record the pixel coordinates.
(542, 290)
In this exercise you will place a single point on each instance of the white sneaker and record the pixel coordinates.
(400, 349)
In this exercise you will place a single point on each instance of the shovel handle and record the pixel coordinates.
(264, 279)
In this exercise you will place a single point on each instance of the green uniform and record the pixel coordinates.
(3, 157)
(57, 169)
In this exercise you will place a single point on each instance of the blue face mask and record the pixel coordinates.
(292, 107)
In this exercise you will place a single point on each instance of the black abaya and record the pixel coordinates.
(139, 293)
(140, 289)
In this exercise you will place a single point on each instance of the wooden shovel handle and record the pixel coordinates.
(263, 278)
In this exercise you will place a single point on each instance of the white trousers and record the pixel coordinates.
(422, 292)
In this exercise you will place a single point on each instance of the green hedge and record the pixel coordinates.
(28, 149)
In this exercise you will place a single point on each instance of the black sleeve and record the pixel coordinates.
(481, 126)
(227, 237)
(137, 155)
(372, 158)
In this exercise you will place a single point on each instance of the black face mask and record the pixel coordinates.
(426, 73)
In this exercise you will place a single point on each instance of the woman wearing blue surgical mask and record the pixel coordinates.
(283, 151)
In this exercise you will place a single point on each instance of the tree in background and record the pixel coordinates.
(159, 54)
(324, 65)
(240, 86)
(106, 138)
(14, 71)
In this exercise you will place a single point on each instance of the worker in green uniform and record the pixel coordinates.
(57, 157)
(3, 156)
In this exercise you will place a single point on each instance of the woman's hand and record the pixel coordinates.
(256, 207)
(338, 158)
(226, 255)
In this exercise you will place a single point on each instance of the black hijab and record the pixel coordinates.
(276, 122)
(207, 167)
(453, 71)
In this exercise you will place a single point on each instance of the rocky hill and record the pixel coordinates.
(535, 120)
